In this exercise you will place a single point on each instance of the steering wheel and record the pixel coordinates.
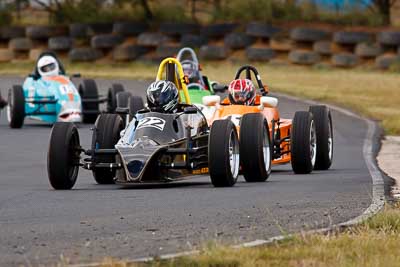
(249, 71)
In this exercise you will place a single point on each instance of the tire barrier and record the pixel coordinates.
(12, 32)
(128, 52)
(167, 50)
(385, 61)
(44, 32)
(256, 41)
(105, 41)
(84, 54)
(129, 28)
(352, 37)
(151, 39)
(178, 29)
(302, 57)
(20, 44)
(345, 60)
(281, 44)
(193, 40)
(368, 50)
(323, 48)
(308, 34)
(62, 43)
(218, 30)
(213, 52)
(389, 38)
(261, 30)
(78, 30)
(237, 40)
(100, 28)
(260, 54)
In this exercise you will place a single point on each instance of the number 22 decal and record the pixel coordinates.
(151, 122)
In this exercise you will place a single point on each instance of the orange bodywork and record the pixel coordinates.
(271, 114)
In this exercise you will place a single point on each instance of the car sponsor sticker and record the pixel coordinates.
(154, 122)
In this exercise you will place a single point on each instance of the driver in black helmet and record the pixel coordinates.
(163, 96)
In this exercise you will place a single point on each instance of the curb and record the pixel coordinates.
(378, 192)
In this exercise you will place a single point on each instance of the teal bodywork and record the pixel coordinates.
(52, 99)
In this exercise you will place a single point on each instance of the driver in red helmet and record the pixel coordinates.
(242, 92)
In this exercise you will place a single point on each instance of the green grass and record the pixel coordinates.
(374, 94)
(373, 243)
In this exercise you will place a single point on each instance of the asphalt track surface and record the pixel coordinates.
(39, 225)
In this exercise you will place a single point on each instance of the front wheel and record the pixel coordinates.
(63, 155)
(223, 154)
(16, 107)
(90, 100)
(255, 147)
(303, 143)
(324, 129)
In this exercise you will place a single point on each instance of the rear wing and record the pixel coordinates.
(173, 71)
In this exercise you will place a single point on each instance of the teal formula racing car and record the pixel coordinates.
(53, 98)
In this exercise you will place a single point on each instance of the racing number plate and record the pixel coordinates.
(200, 171)
(153, 122)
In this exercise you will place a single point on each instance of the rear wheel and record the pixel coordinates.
(112, 96)
(303, 143)
(255, 147)
(135, 104)
(323, 125)
(90, 96)
(123, 99)
(223, 154)
(63, 155)
(108, 127)
(16, 107)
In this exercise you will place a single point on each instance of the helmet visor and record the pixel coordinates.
(242, 96)
(49, 67)
(160, 98)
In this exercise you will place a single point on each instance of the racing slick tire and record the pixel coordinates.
(123, 99)
(63, 156)
(255, 148)
(112, 96)
(303, 142)
(108, 127)
(223, 154)
(16, 107)
(135, 104)
(323, 126)
(90, 105)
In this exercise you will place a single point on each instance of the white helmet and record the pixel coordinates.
(48, 66)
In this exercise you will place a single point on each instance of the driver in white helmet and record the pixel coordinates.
(48, 66)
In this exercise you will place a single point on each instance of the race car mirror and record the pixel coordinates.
(269, 102)
(211, 100)
(76, 75)
(220, 88)
(190, 110)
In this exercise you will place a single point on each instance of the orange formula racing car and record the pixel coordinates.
(306, 141)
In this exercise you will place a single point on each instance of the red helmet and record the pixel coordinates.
(242, 91)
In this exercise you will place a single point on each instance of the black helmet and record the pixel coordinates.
(162, 96)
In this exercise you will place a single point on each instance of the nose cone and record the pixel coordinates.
(70, 112)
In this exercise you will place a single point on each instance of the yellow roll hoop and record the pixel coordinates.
(180, 80)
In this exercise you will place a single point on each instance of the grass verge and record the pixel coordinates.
(376, 242)
(374, 94)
